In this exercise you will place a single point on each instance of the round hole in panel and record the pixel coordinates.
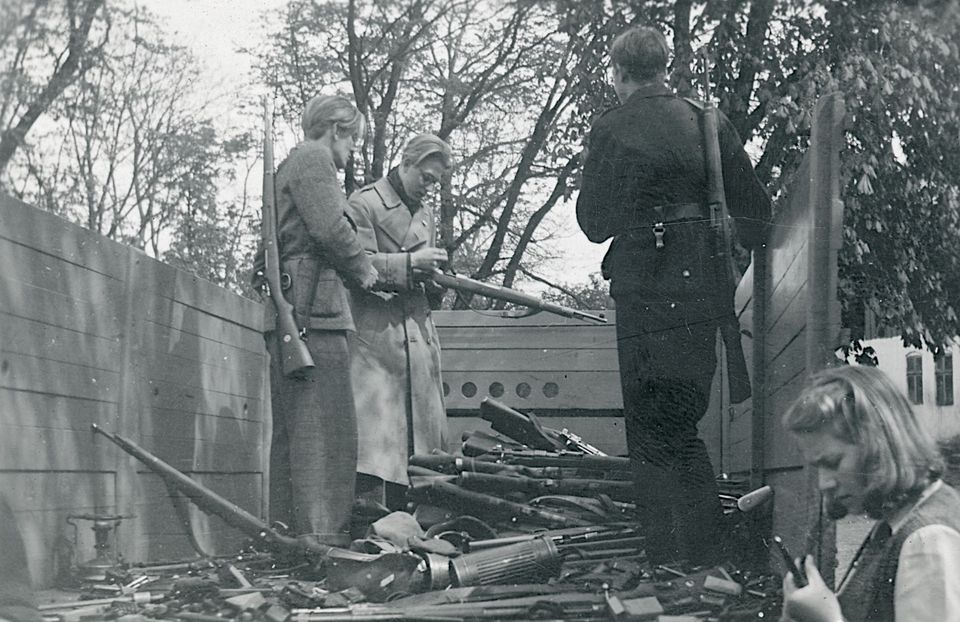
(523, 390)
(551, 389)
(496, 389)
(446, 389)
(468, 389)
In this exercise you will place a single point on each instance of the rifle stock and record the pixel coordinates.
(498, 292)
(294, 355)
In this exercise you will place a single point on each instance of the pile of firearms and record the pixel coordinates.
(528, 523)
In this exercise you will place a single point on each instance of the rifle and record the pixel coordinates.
(501, 484)
(498, 292)
(206, 499)
(294, 356)
(727, 272)
(458, 464)
(564, 538)
(449, 495)
(537, 458)
(344, 568)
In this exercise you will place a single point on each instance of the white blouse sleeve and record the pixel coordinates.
(927, 587)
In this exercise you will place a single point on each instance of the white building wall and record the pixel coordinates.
(943, 421)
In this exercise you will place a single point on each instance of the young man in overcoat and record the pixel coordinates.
(396, 353)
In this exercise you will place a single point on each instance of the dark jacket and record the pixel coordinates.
(648, 155)
(318, 243)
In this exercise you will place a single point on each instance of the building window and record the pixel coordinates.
(944, 376)
(915, 377)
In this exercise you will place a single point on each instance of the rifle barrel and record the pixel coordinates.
(203, 497)
(498, 292)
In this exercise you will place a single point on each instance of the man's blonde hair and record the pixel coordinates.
(423, 146)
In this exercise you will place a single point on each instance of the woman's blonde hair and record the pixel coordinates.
(324, 112)
(860, 406)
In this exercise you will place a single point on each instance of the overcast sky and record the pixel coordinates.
(215, 29)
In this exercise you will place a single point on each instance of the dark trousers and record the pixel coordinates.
(667, 361)
(313, 450)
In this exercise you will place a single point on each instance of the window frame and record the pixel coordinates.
(915, 377)
(943, 377)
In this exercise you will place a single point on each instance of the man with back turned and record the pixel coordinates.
(645, 185)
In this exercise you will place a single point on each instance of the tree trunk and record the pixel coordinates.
(66, 73)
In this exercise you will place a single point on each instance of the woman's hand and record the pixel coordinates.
(813, 603)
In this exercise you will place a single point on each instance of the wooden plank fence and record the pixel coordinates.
(92, 331)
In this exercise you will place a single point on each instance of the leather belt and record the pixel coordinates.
(666, 214)
(679, 211)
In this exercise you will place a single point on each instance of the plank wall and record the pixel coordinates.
(794, 333)
(92, 331)
(552, 366)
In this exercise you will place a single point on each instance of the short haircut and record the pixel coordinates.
(324, 112)
(861, 406)
(423, 146)
(641, 52)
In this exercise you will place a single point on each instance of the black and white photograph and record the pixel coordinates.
(479, 310)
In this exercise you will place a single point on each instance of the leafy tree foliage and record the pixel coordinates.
(592, 295)
(44, 47)
(513, 85)
(131, 151)
(899, 68)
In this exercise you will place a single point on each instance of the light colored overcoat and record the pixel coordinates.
(395, 356)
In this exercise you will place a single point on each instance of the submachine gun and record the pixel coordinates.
(294, 356)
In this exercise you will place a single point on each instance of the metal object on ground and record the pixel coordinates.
(537, 559)
(107, 558)
(437, 569)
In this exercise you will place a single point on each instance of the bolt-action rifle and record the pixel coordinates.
(727, 271)
(538, 458)
(502, 484)
(294, 355)
(377, 576)
(498, 292)
(206, 499)
(450, 464)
